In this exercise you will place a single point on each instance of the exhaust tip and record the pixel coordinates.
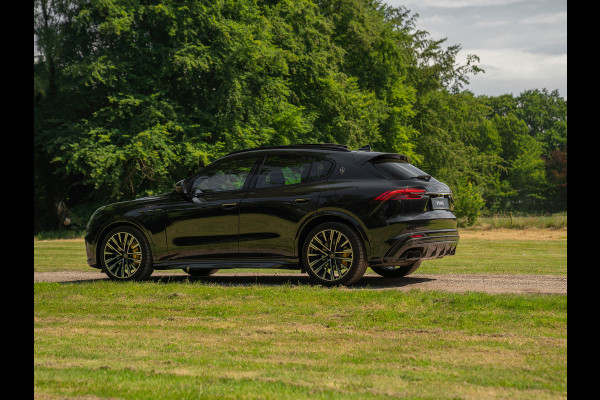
(413, 254)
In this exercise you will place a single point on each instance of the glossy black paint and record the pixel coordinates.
(262, 227)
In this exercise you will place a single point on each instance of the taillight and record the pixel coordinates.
(401, 194)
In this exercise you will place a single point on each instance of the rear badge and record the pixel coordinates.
(342, 170)
(440, 203)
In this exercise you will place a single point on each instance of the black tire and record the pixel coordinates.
(200, 272)
(344, 263)
(125, 255)
(397, 272)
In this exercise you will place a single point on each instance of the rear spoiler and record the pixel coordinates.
(364, 157)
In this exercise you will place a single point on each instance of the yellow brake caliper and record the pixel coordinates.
(135, 248)
(346, 262)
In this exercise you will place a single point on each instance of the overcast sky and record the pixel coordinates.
(522, 44)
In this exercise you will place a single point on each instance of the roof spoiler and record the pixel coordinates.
(382, 156)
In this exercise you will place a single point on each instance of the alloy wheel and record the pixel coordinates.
(122, 255)
(330, 254)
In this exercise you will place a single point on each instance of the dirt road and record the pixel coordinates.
(547, 284)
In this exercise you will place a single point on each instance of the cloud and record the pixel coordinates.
(554, 18)
(491, 24)
(437, 19)
(453, 4)
(519, 64)
(512, 71)
(521, 44)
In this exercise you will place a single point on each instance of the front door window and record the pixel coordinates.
(225, 176)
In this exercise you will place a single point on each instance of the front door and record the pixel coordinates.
(205, 225)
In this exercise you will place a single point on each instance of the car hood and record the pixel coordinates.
(132, 204)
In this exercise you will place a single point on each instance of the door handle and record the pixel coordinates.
(228, 206)
(301, 200)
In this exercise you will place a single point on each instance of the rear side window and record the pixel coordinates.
(283, 170)
(320, 170)
(398, 169)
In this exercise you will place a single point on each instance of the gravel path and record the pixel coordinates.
(490, 283)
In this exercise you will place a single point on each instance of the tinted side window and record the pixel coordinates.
(282, 170)
(398, 170)
(320, 170)
(228, 175)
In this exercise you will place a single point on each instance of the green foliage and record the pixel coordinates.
(132, 96)
(533, 128)
(61, 234)
(467, 204)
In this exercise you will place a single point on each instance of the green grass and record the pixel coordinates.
(539, 257)
(473, 255)
(191, 339)
(60, 255)
(522, 221)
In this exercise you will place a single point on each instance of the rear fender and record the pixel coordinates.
(331, 215)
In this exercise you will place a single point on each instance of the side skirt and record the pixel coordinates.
(226, 264)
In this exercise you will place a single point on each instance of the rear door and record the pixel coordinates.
(283, 193)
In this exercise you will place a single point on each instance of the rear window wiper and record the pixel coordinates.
(426, 177)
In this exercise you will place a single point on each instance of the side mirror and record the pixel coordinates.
(180, 187)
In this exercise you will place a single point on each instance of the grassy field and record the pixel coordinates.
(195, 339)
(522, 221)
(535, 251)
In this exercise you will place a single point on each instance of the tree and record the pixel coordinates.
(131, 96)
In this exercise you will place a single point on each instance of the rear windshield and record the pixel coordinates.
(393, 169)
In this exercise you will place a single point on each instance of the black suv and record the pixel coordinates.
(322, 209)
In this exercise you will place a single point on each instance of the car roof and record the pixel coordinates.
(361, 155)
(321, 146)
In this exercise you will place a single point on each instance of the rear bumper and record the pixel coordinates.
(419, 245)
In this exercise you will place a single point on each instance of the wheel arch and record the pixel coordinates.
(329, 216)
(110, 226)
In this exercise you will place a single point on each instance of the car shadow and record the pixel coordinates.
(367, 281)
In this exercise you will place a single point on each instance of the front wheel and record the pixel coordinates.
(397, 272)
(126, 255)
(334, 254)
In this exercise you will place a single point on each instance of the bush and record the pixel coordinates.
(467, 204)
(62, 234)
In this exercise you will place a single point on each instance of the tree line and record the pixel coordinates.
(133, 95)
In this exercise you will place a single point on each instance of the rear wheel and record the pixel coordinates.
(200, 272)
(396, 272)
(126, 255)
(334, 254)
